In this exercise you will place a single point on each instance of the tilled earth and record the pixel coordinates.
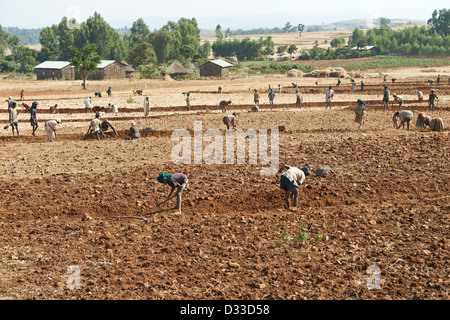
(87, 205)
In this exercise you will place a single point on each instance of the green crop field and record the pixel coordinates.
(395, 62)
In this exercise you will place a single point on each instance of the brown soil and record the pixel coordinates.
(92, 204)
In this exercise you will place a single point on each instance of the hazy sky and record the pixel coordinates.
(43, 13)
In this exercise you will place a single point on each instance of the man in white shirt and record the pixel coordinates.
(420, 95)
(290, 180)
(329, 94)
(50, 129)
(399, 99)
(87, 104)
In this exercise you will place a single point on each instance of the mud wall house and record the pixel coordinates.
(55, 70)
(129, 71)
(176, 71)
(215, 68)
(109, 69)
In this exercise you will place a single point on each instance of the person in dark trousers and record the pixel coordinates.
(94, 126)
(290, 181)
(177, 181)
(33, 117)
(105, 125)
(109, 92)
(362, 86)
(432, 99)
(13, 121)
(271, 97)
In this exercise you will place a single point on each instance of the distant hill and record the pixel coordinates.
(362, 24)
(340, 25)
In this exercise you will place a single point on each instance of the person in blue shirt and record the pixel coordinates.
(271, 97)
(33, 117)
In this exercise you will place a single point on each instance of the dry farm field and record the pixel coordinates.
(87, 205)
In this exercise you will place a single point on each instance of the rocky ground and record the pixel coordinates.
(87, 208)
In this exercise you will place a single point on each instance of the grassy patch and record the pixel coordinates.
(394, 62)
(269, 67)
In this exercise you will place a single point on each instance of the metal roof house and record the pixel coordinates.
(110, 69)
(57, 70)
(215, 68)
(373, 49)
(63, 70)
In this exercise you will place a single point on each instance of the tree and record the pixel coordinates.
(86, 61)
(219, 34)
(66, 36)
(163, 43)
(287, 27)
(357, 35)
(281, 50)
(49, 43)
(384, 21)
(142, 54)
(337, 42)
(26, 57)
(3, 42)
(440, 21)
(205, 49)
(300, 28)
(139, 33)
(97, 31)
(291, 50)
(362, 43)
(269, 46)
(227, 32)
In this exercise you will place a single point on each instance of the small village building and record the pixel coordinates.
(129, 71)
(55, 70)
(215, 68)
(64, 70)
(176, 71)
(108, 69)
(372, 49)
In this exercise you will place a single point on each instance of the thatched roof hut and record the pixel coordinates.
(176, 70)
